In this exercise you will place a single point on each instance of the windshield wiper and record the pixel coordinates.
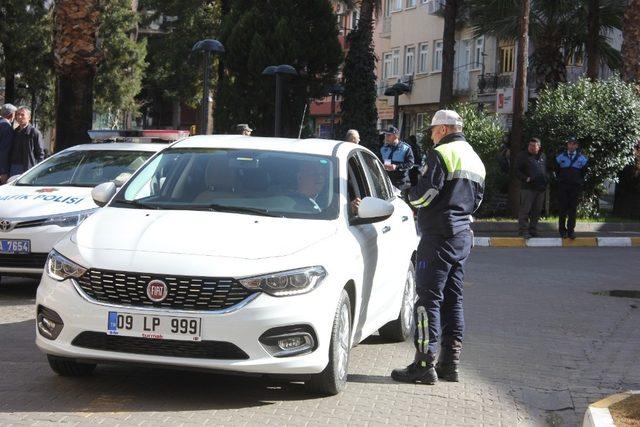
(239, 209)
(137, 204)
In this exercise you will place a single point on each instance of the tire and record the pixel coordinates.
(333, 378)
(401, 329)
(69, 368)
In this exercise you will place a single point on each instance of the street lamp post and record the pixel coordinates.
(279, 71)
(396, 90)
(334, 90)
(207, 46)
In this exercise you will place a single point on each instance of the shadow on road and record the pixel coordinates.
(30, 386)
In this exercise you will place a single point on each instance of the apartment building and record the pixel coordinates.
(408, 43)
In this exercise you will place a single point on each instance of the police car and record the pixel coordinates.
(43, 204)
(238, 254)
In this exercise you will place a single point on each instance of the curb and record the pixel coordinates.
(598, 414)
(551, 242)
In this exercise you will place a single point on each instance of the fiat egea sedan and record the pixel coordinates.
(236, 254)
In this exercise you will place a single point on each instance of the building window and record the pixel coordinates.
(396, 5)
(507, 59)
(423, 58)
(386, 66)
(395, 63)
(410, 3)
(355, 16)
(478, 54)
(409, 60)
(422, 122)
(437, 56)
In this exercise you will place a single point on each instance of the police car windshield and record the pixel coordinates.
(243, 181)
(85, 168)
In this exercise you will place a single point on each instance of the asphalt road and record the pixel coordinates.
(540, 347)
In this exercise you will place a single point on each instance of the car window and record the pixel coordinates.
(85, 168)
(276, 183)
(377, 177)
(357, 183)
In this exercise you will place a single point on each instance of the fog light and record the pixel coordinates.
(289, 340)
(295, 342)
(49, 323)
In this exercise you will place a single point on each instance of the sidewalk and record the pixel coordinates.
(588, 234)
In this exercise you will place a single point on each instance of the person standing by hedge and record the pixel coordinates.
(531, 170)
(571, 166)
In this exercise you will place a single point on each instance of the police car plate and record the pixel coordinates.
(15, 246)
(154, 327)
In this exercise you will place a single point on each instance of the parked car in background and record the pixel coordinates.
(40, 206)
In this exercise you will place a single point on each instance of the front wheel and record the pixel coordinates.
(333, 378)
(401, 329)
(69, 367)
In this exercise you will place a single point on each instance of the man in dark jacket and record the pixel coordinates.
(531, 170)
(28, 146)
(571, 167)
(448, 192)
(7, 114)
(397, 157)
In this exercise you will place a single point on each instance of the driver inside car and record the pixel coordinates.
(310, 182)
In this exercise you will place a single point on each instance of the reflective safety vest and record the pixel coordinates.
(451, 188)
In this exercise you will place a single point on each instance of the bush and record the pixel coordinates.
(485, 134)
(603, 115)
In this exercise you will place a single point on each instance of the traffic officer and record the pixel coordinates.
(570, 167)
(448, 192)
(397, 158)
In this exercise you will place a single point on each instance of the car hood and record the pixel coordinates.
(27, 202)
(216, 234)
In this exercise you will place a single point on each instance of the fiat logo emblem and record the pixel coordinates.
(157, 290)
(5, 225)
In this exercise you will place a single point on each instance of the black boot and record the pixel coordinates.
(449, 360)
(417, 372)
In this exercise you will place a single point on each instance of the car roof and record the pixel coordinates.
(325, 147)
(120, 146)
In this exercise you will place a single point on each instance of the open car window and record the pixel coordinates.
(272, 183)
(85, 168)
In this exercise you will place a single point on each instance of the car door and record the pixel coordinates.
(385, 232)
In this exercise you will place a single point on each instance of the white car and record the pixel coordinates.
(234, 254)
(53, 197)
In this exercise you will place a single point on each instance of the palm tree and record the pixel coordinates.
(76, 60)
(602, 16)
(557, 31)
(451, 11)
(631, 43)
(359, 101)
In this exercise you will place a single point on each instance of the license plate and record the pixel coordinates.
(154, 327)
(15, 246)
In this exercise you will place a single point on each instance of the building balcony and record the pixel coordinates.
(489, 83)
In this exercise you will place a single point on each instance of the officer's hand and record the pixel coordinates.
(355, 204)
(390, 167)
(528, 179)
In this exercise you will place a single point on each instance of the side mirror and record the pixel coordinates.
(372, 210)
(13, 178)
(102, 193)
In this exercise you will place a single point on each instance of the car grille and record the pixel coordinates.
(184, 293)
(170, 348)
(34, 260)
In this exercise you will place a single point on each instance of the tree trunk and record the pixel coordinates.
(520, 98)
(448, 52)
(631, 43)
(76, 58)
(591, 48)
(74, 110)
(10, 85)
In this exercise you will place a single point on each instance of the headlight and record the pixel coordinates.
(60, 268)
(71, 219)
(285, 283)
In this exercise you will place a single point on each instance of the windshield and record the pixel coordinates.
(85, 168)
(255, 182)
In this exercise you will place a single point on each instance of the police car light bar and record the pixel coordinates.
(147, 135)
